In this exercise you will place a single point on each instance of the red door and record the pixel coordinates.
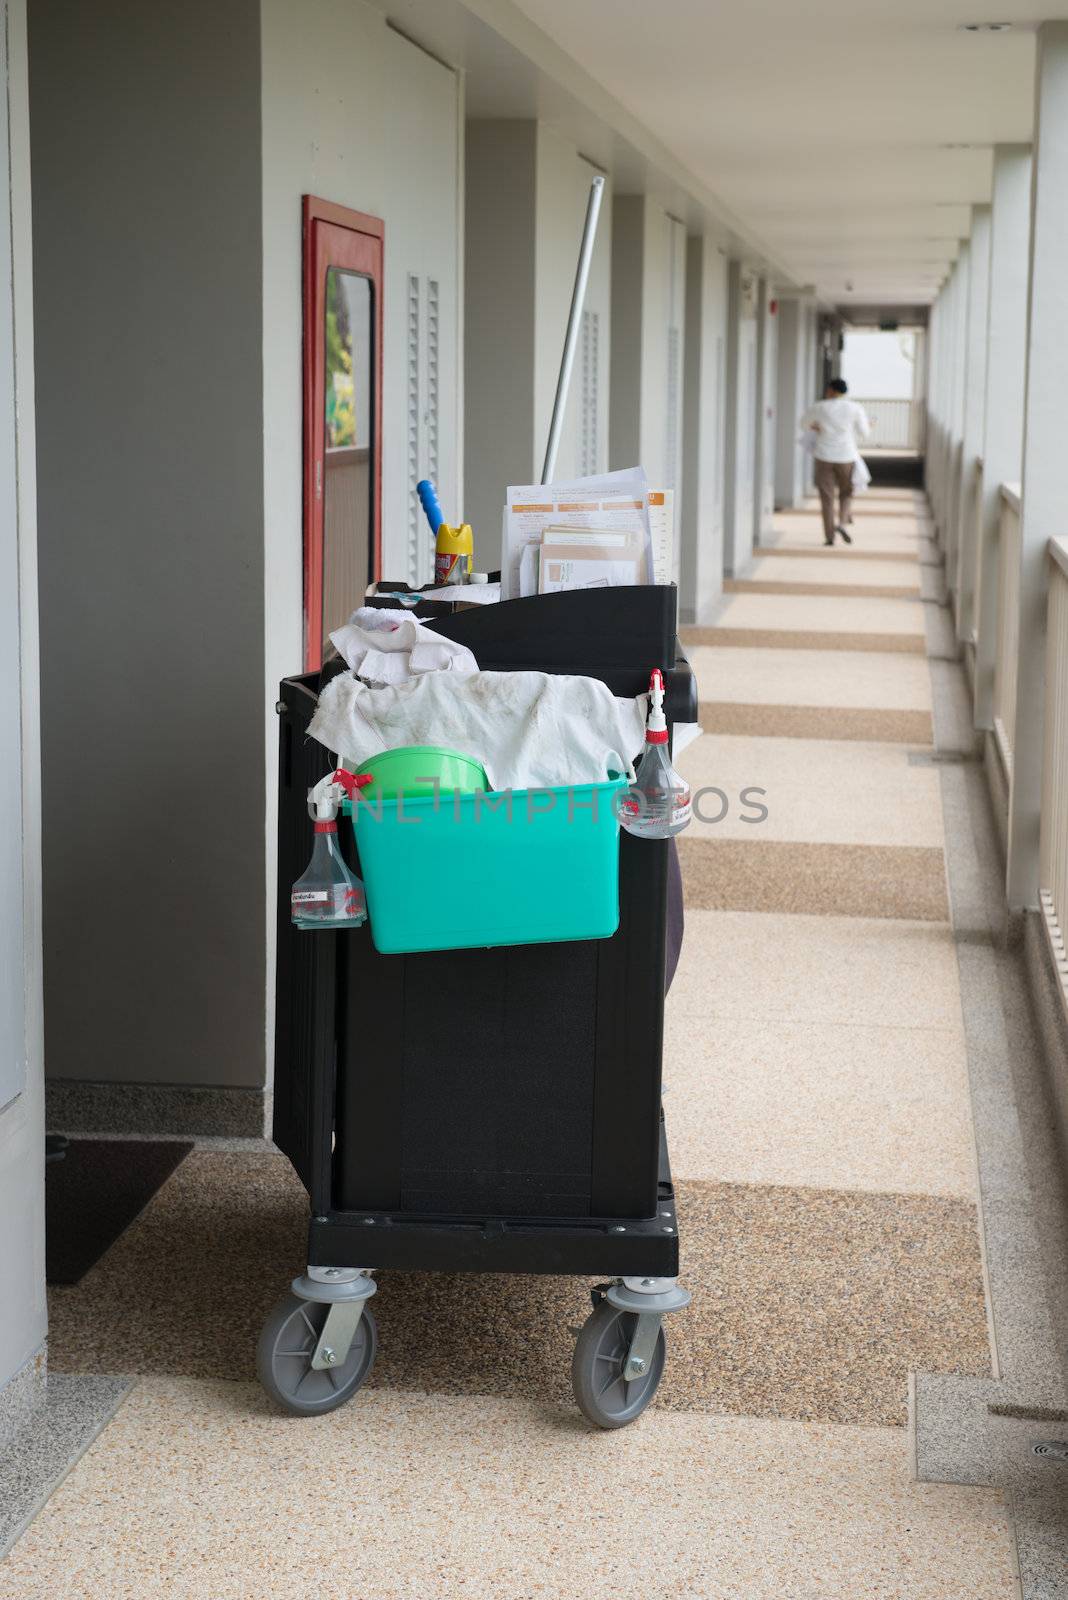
(342, 416)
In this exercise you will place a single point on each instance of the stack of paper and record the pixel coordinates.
(557, 536)
(587, 558)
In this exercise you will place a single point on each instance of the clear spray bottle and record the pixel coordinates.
(329, 894)
(658, 803)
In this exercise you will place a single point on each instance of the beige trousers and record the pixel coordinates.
(832, 476)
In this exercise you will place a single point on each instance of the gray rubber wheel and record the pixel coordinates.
(604, 1396)
(284, 1357)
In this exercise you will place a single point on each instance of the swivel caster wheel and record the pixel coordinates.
(284, 1358)
(605, 1396)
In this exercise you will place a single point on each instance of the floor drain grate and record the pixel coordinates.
(942, 758)
(1051, 1449)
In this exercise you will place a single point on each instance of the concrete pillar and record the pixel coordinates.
(934, 378)
(648, 340)
(962, 279)
(793, 396)
(1042, 501)
(942, 401)
(1010, 222)
(810, 388)
(767, 384)
(742, 391)
(973, 417)
(705, 369)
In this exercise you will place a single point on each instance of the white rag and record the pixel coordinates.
(528, 729)
(387, 646)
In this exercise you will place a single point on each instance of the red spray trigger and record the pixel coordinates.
(352, 782)
(656, 731)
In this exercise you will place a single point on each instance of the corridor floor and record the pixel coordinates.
(818, 1112)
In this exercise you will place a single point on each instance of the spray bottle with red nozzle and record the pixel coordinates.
(657, 804)
(329, 894)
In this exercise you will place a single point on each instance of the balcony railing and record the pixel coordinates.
(1053, 847)
(895, 424)
(1002, 618)
(1008, 623)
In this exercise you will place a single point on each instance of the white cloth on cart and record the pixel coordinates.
(528, 729)
(389, 646)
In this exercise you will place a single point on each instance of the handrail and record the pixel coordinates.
(897, 422)
(1010, 492)
(1058, 549)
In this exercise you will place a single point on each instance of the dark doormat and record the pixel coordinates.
(95, 1192)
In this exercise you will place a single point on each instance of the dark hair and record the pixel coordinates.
(839, 386)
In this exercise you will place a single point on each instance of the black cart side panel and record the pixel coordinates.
(305, 1031)
(465, 1081)
(512, 1082)
(509, 1083)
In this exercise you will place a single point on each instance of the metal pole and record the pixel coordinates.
(574, 321)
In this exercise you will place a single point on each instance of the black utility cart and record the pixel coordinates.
(488, 1110)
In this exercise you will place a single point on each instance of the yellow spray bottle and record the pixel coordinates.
(455, 547)
(454, 554)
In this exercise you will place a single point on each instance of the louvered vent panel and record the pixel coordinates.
(414, 508)
(431, 414)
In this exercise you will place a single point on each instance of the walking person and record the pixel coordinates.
(839, 426)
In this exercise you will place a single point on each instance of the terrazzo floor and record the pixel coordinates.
(823, 1153)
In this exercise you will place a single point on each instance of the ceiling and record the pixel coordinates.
(849, 137)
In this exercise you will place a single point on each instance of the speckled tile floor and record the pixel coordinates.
(847, 880)
(834, 1104)
(736, 718)
(834, 573)
(816, 791)
(187, 1288)
(405, 1496)
(868, 680)
(823, 1159)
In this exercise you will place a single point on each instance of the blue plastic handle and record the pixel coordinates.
(428, 497)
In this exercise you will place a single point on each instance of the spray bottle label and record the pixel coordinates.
(339, 900)
(451, 568)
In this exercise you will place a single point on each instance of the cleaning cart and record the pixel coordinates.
(484, 1109)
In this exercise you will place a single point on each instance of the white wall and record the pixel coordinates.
(354, 114)
(562, 189)
(22, 1280)
(701, 521)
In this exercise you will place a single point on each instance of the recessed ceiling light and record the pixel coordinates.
(985, 27)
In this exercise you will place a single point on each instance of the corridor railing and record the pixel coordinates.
(1008, 623)
(1053, 847)
(895, 424)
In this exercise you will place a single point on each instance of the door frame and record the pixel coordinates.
(313, 374)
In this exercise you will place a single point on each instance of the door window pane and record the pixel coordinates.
(348, 480)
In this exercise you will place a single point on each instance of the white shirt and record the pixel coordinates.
(842, 425)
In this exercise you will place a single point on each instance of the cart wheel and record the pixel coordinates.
(284, 1357)
(604, 1396)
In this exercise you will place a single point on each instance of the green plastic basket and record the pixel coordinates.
(524, 866)
(413, 770)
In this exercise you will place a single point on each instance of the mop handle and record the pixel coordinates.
(428, 499)
(574, 321)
